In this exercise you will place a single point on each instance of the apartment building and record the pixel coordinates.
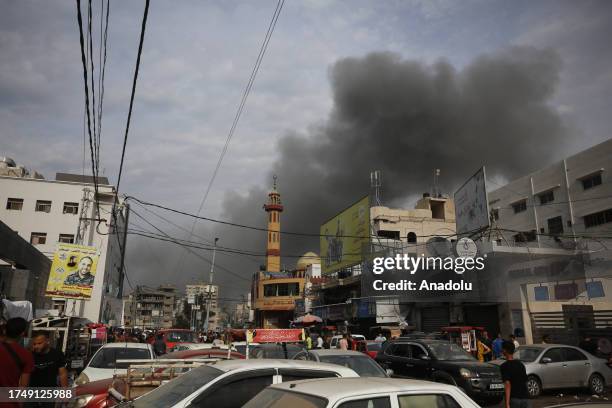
(198, 295)
(150, 308)
(47, 212)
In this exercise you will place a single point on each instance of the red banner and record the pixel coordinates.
(275, 335)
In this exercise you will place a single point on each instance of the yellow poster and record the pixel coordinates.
(343, 237)
(73, 272)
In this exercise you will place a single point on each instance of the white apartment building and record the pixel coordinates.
(543, 219)
(199, 294)
(46, 212)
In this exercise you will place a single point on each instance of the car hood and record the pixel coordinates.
(95, 374)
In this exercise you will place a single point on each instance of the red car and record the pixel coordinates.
(95, 394)
(174, 336)
(369, 347)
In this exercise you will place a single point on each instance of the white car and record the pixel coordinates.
(104, 364)
(334, 341)
(361, 392)
(231, 383)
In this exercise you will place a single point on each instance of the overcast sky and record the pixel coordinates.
(197, 59)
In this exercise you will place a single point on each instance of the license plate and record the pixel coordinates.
(496, 386)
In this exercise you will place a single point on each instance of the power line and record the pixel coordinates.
(245, 95)
(127, 126)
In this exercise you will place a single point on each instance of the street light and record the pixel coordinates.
(212, 271)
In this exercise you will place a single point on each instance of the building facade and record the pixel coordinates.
(199, 296)
(48, 212)
(150, 308)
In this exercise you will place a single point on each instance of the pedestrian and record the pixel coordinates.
(320, 342)
(159, 345)
(482, 349)
(16, 362)
(380, 338)
(497, 346)
(343, 342)
(327, 343)
(308, 341)
(49, 363)
(514, 341)
(514, 377)
(546, 339)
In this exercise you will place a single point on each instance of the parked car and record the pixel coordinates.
(369, 347)
(361, 392)
(553, 366)
(334, 340)
(230, 384)
(95, 394)
(360, 363)
(274, 350)
(104, 364)
(198, 346)
(444, 362)
(173, 336)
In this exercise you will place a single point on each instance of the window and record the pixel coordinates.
(427, 401)
(527, 236)
(598, 218)
(546, 197)
(566, 291)
(43, 206)
(572, 354)
(399, 350)
(411, 238)
(66, 238)
(591, 181)
(389, 234)
(14, 204)
(233, 394)
(595, 289)
(555, 225)
(107, 357)
(495, 213)
(541, 293)
(520, 206)
(417, 351)
(554, 354)
(379, 402)
(296, 375)
(281, 289)
(276, 398)
(71, 208)
(38, 238)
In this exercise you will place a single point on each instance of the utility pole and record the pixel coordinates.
(212, 272)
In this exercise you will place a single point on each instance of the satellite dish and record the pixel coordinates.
(438, 246)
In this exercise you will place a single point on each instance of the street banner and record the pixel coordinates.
(73, 272)
(275, 335)
(344, 237)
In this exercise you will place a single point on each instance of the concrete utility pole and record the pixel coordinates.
(212, 272)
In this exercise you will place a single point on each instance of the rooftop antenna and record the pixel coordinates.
(436, 192)
(376, 184)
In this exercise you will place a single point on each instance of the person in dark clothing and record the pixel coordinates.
(587, 344)
(514, 377)
(17, 363)
(159, 346)
(49, 364)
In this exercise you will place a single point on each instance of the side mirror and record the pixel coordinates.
(389, 372)
(426, 358)
(546, 360)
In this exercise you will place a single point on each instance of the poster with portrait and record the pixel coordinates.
(73, 272)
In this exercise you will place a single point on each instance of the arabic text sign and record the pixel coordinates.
(275, 335)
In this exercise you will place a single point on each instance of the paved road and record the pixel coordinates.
(566, 397)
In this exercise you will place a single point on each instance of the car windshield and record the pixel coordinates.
(364, 366)
(274, 351)
(449, 352)
(174, 391)
(180, 336)
(107, 357)
(272, 398)
(527, 354)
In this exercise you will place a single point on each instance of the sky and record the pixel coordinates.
(345, 87)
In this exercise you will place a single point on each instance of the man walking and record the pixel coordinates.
(49, 364)
(514, 377)
(159, 346)
(497, 346)
(16, 362)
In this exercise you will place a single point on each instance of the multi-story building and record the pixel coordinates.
(201, 295)
(274, 291)
(552, 227)
(149, 308)
(48, 212)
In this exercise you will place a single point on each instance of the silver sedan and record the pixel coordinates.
(555, 366)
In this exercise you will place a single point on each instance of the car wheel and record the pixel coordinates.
(534, 388)
(596, 384)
